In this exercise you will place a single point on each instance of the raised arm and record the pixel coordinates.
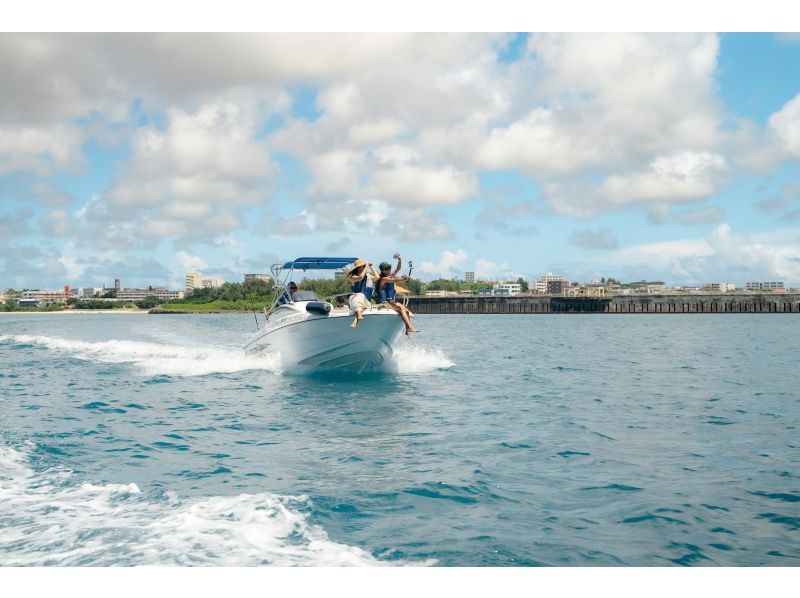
(399, 264)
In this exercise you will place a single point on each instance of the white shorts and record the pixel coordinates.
(358, 301)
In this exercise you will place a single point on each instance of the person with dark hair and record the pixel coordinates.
(288, 294)
(387, 295)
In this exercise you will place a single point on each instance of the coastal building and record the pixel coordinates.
(541, 282)
(261, 277)
(647, 288)
(507, 288)
(595, 290)
(763, 286)
(139, 294)
(2, 297)
(212, 283)
(195, 280)
(469, 276)
(556, 287)
(719, 287)
(42, 298)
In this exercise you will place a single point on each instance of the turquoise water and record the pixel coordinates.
(493, 440)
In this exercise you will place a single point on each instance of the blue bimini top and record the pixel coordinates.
(319, 263)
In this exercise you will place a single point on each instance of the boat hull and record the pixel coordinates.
(329, 343)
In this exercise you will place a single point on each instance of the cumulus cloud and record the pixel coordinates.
(676, 178)
(49, 195)
(707, 215)
(420, 185)
(609, 100)
(415, 226)
(190, 179)
(449, 264)
(494, 270)
(388, 128)
(722, 255)
(786, 125)
(505, 217)
(40, 150)
(603, 238)
(58, 223)
(787, 194)
(191, 262)
(685, 176)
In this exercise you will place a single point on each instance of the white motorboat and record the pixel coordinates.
(312, 333)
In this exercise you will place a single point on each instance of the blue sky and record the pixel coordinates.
(671, 157)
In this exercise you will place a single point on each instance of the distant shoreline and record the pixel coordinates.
(79, 311)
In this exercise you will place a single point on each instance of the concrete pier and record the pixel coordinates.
(619, 304)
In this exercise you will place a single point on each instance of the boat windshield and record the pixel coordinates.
(305, 296)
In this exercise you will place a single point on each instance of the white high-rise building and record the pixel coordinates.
(194, 280)
(541, 282)
(212, 283)
(469, 276)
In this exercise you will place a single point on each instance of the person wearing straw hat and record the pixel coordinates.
(362, 282)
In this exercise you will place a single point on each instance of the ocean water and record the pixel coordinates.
(490, 441)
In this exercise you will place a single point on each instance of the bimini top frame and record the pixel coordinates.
(282, 272)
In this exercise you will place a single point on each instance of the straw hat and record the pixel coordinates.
(357, 264)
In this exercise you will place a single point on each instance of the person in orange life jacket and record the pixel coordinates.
(362, 281)
(385, 289)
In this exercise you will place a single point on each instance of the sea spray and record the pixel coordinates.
(49, 518)
(155, 359)
(417, 360)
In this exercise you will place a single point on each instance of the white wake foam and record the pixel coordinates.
(417, 359)
(153, 359)
(47, 519)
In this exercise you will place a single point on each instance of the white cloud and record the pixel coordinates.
(681, 177)
(58, 223)
(606, 100)
(365, 134)
(49, 194)
(676, 178)
(191, 262)
(540, 146)
(704, 215)
(786, 125)
(494, 270)
(336, 173)
(163, 228)
(190, 179)
(603, 238)
(414, 225)
(420, 185)
(41, 150)
(720, 256)
(449, 264)
(74, 269)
